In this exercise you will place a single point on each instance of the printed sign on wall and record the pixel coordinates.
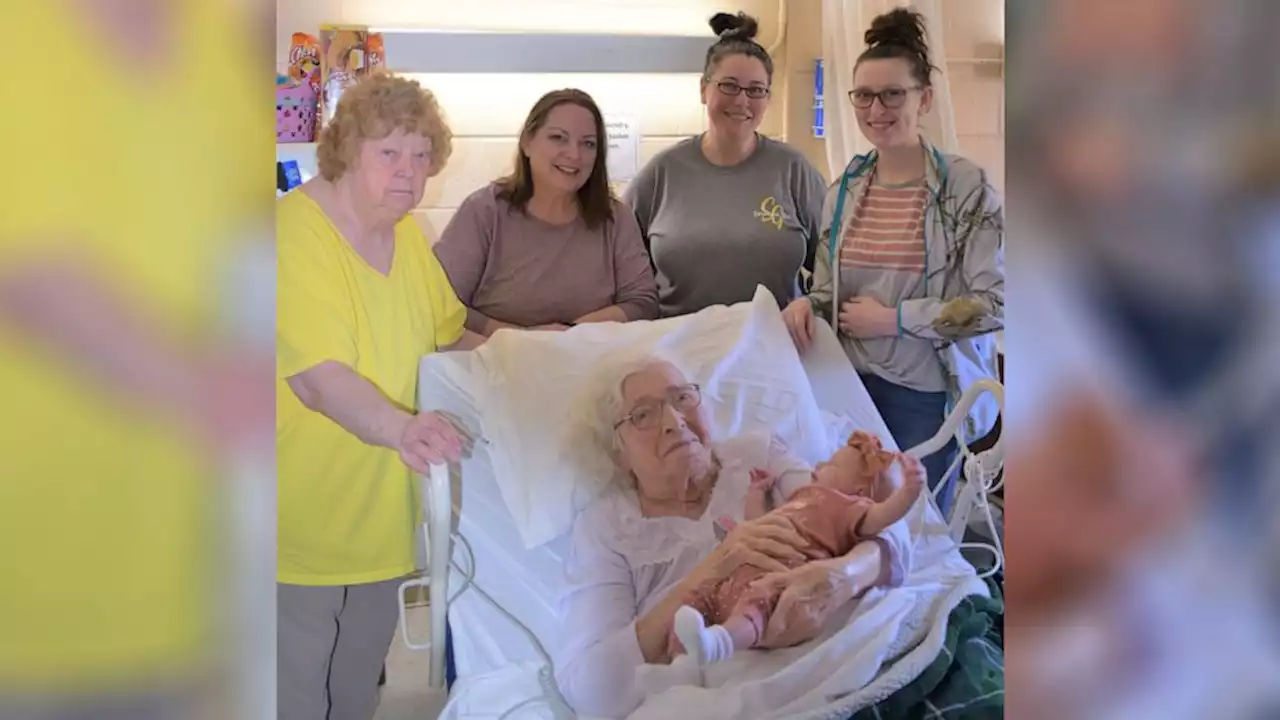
(624, 147)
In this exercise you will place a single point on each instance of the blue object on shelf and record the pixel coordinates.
(819, 126)
(293, 176)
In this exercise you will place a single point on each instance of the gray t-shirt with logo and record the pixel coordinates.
(715, 233)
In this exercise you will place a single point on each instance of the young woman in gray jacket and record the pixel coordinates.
(910, 267)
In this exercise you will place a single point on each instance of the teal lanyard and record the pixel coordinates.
(833, 235)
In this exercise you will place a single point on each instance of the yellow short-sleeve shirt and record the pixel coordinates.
(347, 509)
(148, 177)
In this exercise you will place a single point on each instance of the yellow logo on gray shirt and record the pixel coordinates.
(770, 212)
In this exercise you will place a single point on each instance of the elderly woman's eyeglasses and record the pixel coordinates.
(646, 415)
(732, 89)
(891, 98)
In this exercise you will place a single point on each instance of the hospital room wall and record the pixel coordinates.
(975, 29)
(971, 29)
(486, 111)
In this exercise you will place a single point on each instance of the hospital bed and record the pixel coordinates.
(502, 599)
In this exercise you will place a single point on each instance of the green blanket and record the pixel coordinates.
(966, 680)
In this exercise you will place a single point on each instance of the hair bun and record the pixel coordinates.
(734, 27)
(901, 27)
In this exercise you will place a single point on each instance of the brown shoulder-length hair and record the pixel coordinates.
(595, 199)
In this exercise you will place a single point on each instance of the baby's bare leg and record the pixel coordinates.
(750, 615)
(709, 631)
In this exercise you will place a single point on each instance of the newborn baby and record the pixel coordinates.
(850, 499)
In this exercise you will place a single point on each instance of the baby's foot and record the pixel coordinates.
(705, 645)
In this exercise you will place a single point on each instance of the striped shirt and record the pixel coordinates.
(882, 256)
(887, 232)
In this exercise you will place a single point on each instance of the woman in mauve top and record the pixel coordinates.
(548, 246)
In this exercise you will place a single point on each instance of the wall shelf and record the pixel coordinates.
(438, 51)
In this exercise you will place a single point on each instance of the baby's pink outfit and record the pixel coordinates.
(826, 519)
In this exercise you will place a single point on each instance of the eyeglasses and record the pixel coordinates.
(647, 414)
(731, 88)
(889, 97)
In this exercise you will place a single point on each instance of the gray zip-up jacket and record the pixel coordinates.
(964, 249)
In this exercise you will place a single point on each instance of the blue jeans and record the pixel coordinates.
(914, 417)
(450, 672)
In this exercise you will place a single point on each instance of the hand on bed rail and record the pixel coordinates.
(429, 438)
(800, 322)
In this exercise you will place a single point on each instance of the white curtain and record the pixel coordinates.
(843, 24)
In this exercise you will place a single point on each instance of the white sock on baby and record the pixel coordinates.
(704, 644)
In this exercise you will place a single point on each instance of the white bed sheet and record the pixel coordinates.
(526, 583)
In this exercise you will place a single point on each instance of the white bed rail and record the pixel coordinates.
(438, 536)
(437, 494)
(980, 472)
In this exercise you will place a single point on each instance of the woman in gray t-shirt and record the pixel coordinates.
(729, 209)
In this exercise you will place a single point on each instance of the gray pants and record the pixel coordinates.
(333, 642)
(138, 706)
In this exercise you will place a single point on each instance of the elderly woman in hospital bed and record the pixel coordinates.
(641, 549)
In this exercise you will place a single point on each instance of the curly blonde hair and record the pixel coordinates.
(370, 110)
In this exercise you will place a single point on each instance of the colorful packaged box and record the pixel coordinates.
(295, 113)
(347, 53)
(304, 60)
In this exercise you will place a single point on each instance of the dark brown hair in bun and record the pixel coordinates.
(737, 37)
(728, 26)
(899, 33)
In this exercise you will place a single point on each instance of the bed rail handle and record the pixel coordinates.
(437, 535)
(951, 426)
(440, 532)
(421, 582)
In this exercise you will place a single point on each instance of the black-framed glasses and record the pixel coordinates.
(647, 415)
(732, 89)
(891, 97)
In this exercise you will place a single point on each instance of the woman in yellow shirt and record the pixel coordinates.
(360, 299)
(123, 203)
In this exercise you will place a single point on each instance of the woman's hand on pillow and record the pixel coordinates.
(807, 597)
(800, 322)
(429, 439)
(770, 543)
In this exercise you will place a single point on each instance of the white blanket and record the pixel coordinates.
(882, 643)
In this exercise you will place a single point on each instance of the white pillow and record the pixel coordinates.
(539, 391)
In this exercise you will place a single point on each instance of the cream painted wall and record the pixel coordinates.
(975, 29)
(486, 111)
